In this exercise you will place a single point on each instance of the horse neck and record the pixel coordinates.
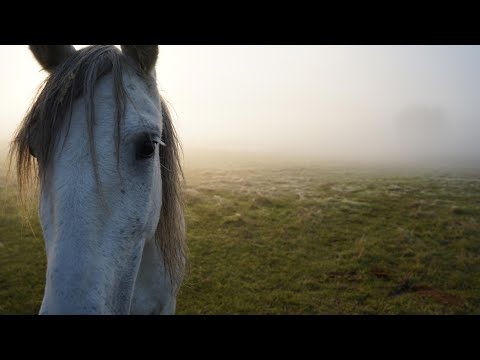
(153, 293)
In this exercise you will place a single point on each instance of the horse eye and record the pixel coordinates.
(146, 149)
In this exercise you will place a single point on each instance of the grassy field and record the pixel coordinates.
(273, 238)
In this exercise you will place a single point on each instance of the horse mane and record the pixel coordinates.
(51, 110)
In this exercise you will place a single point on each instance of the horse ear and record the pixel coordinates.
(50, 56)
(144, 55)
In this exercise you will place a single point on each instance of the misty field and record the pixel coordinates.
(300, 239)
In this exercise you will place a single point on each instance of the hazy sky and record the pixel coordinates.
(312, 100)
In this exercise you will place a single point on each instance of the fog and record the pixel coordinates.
(417, 103)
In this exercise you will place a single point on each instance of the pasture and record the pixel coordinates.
(270, 237)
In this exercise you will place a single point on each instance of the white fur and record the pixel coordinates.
(102, 258)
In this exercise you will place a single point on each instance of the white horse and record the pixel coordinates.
(100, 140)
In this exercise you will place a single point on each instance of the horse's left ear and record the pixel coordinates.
(144, 55)
(50, 56)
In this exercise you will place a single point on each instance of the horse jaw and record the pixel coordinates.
(154, 294)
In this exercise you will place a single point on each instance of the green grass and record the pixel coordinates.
(301, 240)
(22, 257)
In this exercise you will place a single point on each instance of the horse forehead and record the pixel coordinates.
(143, 93)
(142, 100)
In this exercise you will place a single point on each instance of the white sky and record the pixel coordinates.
(311, 100)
